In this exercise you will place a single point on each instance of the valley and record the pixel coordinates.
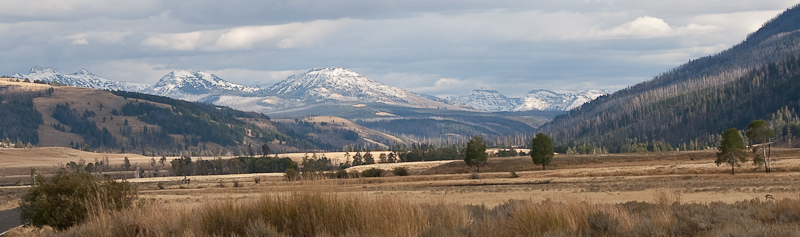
(708, 148)
(667, 178)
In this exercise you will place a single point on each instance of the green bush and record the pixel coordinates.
(69, 198)
(400, 171)
(374, 172)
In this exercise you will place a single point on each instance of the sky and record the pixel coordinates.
(437, 47)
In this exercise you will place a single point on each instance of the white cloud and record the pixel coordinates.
(80, 41)
(448, 82)
(242, 38)
(105, 37)
(648, 27)
(52, 10)
(179, 42)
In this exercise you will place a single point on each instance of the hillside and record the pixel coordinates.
(689, 105)
(91, 119)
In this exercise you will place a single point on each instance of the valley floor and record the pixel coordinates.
(614, 178)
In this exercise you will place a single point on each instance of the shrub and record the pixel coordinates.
(341, 174)
(291, 174)
(474, 175)
(354, 174)
(69, 198)
(374, 172)
(400, 171)
(602, 224)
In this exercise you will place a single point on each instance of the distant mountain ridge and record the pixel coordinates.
(194, 86)
(82, 78)
(539, 99)
(321, 85)
(315, 87)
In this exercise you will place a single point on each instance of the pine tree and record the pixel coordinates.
(126, 164)
(731, 149)
(475, 155)
(368, 159)
(542, 150)
(357, 159)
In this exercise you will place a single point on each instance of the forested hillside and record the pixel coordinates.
(50, 115)
(688, 106)
(18, 118)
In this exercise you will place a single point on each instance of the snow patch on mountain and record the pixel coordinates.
(82, 78)
(550, 100)
(544, 100)
(340, 84)
(194, 86)
(486, 100)
(316, 87)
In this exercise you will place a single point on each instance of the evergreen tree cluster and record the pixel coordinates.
(241, 165)
(428, 152)
(180, 121)
(204, 122)
(19, 120)
(80, 124)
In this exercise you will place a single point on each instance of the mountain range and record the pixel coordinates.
(321, 86)
(540, 99)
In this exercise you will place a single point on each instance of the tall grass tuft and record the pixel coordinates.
(332, 214)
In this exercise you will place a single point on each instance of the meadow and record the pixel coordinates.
(642, 194)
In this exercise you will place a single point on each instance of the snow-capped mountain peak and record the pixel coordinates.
(83, 72)
(82, 78)
(486, 100)
(538, 99)
(43, 70)
(190, 85)
(339, 84)
(562, 100)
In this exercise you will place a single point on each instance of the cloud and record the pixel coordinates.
(435, 47)
(73, 10)
(80, 41)
(105, 37)
(241, 38)
(648, 27)
(178, 41)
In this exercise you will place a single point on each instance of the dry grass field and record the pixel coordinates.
(609, 178)
(598, 180)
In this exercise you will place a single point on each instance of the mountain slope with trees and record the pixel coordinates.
(116, 121)
(689, 106)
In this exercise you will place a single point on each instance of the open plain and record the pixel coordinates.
(608, 178)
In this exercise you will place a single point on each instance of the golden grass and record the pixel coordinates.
(326, 214)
